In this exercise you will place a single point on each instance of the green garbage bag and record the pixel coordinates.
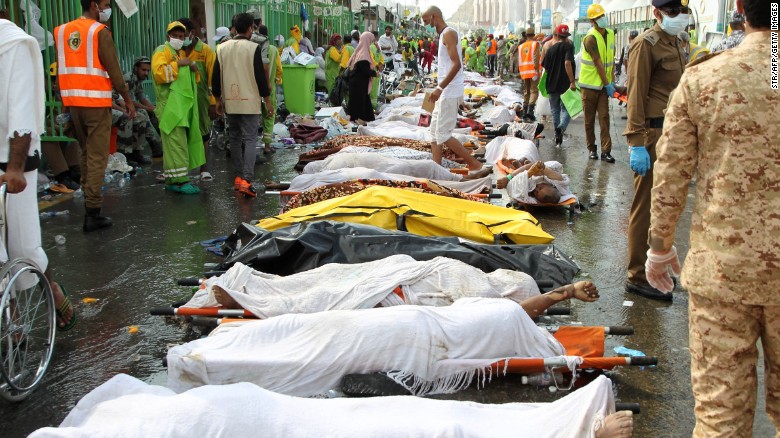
(572, 100)
(543, 84)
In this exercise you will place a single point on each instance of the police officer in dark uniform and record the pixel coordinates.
(656, 60)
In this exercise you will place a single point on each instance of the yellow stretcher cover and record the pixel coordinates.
(474, 92)
(422, 214)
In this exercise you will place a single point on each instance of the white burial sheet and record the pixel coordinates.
(336, 286)
(416, 168)
(305, 182)
(428, 350)
(511, 148)
(127, 407)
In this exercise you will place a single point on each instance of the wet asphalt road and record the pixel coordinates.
(133, 266)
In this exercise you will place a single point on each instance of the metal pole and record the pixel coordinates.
(211, 27)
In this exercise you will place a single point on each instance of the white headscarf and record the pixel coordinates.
(33, 123)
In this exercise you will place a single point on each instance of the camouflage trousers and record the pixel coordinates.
(724, 357)
(133, 133)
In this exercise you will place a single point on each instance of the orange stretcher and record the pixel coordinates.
(585, 342)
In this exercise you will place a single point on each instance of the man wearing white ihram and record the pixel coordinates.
(449, 93)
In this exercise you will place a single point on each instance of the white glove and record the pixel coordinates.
(657, 269)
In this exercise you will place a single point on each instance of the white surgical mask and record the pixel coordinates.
(602, 22)
(187, 42)
(674, 25)
(176, 44)
(104, 15)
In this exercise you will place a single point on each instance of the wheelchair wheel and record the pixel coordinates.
(27, 328)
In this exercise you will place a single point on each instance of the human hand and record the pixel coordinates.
(221, 108)
(212, 112)
(130, 109)
(268, 107)
(573, 86)
(193, 67)
(501, 183)
(610, 88)
(14, 180)
(657, 269)
(536, 169)
(640, 160)
(435, 95)
(183, 61)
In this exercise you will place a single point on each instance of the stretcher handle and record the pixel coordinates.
(189, 281)
(544, 284)
(555, 311)
(633, 407)
(619, 330)
(642, 360)
(162, 311)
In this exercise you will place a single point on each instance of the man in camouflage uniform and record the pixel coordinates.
(656, 61)
(144, 108)
(720, 126)
(737, 24)
(133, 133)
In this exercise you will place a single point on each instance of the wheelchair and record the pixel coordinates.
(28, 322)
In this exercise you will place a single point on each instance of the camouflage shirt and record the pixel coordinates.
(730, 42)
(719, 124)
(136, 87)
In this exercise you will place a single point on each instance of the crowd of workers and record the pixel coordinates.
(677, 127)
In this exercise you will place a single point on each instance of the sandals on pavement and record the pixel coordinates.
(185, 189)
(206, 177)
(62, 310)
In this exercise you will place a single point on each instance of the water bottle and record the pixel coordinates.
(45, 214)
(78, 193)
(543, 379)
(62, 119)
(108, 178)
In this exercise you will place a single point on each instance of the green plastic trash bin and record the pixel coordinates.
(298, 85)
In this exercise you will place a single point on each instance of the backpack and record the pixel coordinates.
(340, 89)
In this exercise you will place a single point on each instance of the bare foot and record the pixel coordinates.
(270, 185)
(59, 298)
(581, 290)
(617, 425)
(224, 299)
(480, 174)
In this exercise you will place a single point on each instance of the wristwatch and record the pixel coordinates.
(439, 88)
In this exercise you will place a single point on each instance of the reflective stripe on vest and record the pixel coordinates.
(83, 80)
(526, 65)
(589, 75)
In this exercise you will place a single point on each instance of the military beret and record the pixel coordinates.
(669, 3)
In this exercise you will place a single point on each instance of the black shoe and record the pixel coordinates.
(67, 182)
(138, 157)
(593, 155)
(647, 291)
(558, 137)
(605, 156)
(93, 221)
(371, 385)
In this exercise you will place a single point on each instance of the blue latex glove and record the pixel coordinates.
(640, 160)
(610, 88)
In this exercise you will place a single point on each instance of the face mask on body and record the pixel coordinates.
(674, 25)
(602, 22)
(187, 41)
(105, 15)
(176, 44)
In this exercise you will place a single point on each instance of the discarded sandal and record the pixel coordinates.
(62, 310)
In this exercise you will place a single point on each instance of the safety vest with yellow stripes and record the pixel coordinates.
(83, 80)
(697, 51)
(589, 75)
(527, 52)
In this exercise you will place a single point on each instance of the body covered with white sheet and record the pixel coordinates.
(126, 407)
(335, 286)
(416, 168)
(428, 350)
(308, 181)
(510, 148)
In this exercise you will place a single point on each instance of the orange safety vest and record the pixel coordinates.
(492, 48)
(83, 79)
(527, 52)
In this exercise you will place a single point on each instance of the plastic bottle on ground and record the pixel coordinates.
(59, 239)
(45, 214)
